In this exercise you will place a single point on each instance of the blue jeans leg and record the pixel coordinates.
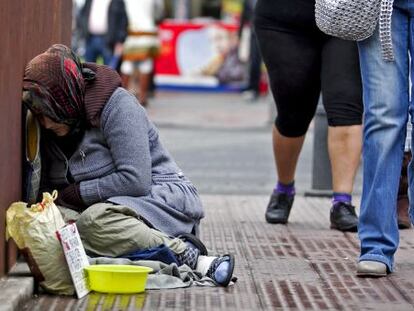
(96, 46)
(91, 50)
(106, 55)
(386, 103)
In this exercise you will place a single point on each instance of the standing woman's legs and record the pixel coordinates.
(342, 98)
(385, 88)
(286, 151)
(293, 63)
(344, 145)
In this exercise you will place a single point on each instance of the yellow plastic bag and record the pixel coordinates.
(34, 231)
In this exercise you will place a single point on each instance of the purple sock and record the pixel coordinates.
(288, 189)
(341, 197)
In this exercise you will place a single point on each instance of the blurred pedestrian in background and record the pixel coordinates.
(77, 42)
(141, 45)
(252, 90)
(302, 62)
(387, 106)
(103, 24)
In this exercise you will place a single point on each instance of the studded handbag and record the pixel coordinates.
(356, 20)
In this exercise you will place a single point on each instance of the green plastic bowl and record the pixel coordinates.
(117, 279)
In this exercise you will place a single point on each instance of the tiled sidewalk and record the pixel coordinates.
(301, 266)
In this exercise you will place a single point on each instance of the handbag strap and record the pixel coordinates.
(385, 30)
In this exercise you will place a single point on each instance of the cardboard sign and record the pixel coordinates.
(75, 257)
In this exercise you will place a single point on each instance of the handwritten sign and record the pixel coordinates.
(75, 257)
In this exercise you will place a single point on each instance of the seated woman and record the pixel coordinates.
(104, 156)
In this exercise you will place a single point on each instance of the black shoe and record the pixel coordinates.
(278, 209)
(343, 217)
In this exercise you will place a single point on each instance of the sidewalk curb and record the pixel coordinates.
(16, 288)
(14, 291)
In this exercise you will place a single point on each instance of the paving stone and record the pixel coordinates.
(300, 266)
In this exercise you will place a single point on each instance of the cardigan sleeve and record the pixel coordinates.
(125, 127)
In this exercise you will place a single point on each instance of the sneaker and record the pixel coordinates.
(221, 270)
(279, 207)
(343, 217)
(371, 269)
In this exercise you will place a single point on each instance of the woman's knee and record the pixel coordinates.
(93, 214)
(294, 127)
(344, 113)
(115, 230)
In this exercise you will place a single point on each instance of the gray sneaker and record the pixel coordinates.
(369, 268)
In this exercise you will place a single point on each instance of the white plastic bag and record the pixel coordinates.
(34, 231)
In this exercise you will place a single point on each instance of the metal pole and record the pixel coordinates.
(321, 165)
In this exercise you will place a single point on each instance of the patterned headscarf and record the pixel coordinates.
(55, 85)
(58, 86)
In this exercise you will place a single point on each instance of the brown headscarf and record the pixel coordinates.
(59, 86)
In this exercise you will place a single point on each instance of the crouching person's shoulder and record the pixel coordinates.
(121, 106)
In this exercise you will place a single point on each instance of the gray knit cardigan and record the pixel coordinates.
(124, 162)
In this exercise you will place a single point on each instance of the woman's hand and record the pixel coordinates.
(70, 198)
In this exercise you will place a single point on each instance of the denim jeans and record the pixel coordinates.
(95, 47)
(386, 108)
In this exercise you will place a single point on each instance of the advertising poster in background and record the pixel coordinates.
(200, 55)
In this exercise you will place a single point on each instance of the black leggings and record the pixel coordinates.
(300, 66)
